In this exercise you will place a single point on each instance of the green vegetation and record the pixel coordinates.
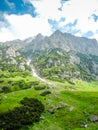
(45, 93)
(55, 65)
(40, 86)
(86, 66)
(68, 98)
(15, 74)
(27, 114)
(10, 82)
(71, 105)
(58, 66)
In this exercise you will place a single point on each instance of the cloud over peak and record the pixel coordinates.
(26, 18)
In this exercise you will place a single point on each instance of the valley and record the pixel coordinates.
(55, 72)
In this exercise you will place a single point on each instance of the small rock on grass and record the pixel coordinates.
(93, 118)
(71, 109)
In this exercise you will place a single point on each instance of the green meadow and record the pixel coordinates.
(67, 107)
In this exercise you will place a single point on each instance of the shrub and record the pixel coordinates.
(6, 89)
(45, 93)
(41, 87)
(27, 114)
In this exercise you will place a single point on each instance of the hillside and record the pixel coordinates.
(60, 65)
(49, 82)
(82, 54)
(76, 57)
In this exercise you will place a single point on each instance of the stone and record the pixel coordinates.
(51, 111)
(42, 117)
(21, 66)
(93, 118)
(71, 109)
(63, 104)
(84, 126)
(11, 52)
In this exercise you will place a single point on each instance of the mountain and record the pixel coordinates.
(64, 41)
(60, 56)
(57, 75)
(58, 39)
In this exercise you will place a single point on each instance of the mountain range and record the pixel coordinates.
(58, 39)
(61, 56)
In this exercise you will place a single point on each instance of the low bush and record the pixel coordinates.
(27, 114)
(45, 93)
(39, 87)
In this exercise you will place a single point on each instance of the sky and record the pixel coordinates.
(20, 19)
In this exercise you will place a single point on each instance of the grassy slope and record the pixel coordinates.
(83, 98)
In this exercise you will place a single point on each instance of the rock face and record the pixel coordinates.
(21, 66)
(58, 39)
(60, 56)
(10, 52)
(10, 56)
(65, 41)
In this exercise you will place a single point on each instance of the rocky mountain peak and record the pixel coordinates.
(57, 33)
(39, 36)
(58, 39)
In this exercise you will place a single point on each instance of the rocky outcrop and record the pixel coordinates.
(10, 52)
(10, 56)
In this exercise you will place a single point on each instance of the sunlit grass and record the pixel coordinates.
(82, 97)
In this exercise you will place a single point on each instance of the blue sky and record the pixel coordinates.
(20, 19)
(17, 7)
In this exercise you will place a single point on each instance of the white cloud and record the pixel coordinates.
(81, 10)
(6, 34)
(24, 26)
(71, 10)
(47, 8)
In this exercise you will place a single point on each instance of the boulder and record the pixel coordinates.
(93, 118)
